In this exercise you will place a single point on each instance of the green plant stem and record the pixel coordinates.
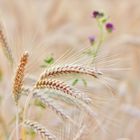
(101, 40)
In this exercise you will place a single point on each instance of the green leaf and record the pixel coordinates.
(31, 132)
(75, 82)
(38, 103)
(49, 60)
(103, 19)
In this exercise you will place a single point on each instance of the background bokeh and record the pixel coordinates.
(45, 27)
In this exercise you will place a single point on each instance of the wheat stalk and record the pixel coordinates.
(19, 76)
(40, 129)
(79, 134)
(4, 45)
(69, 69)
(61, 86)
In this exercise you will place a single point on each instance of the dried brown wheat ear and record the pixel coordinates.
(63, 87)
(19, 76)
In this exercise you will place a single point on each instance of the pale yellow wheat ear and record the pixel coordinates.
(70, 69)
(19, 76)
(38, 128)
(54, 106)
(5, 46)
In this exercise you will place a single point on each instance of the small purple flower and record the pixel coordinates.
(91, 39)
(109, 27)
(97, 14)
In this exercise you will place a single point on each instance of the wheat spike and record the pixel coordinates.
(49, 102)
(69, 69)
(55, 95)
(55, 107)
(19, 76)
(61, 86)
(4, 45)
(40, 129)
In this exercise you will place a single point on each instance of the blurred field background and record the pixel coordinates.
(45, 27)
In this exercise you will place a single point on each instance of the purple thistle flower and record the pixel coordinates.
(109, 27)
(97, 14)
(91, 39)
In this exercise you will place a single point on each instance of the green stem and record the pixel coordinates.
(101, 39)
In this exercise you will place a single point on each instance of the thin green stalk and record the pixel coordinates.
(101, 40)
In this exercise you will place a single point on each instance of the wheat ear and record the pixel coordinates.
(61, 86)
(19, 76)
(55, 95)
(4, 44)
(55, 107)
(40, 129)
(49, 102)
(69, 69)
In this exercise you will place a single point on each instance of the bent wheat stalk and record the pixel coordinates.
(19, 76)
(80, 132)
(40, 129)
(69, 69)
(61, 86)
